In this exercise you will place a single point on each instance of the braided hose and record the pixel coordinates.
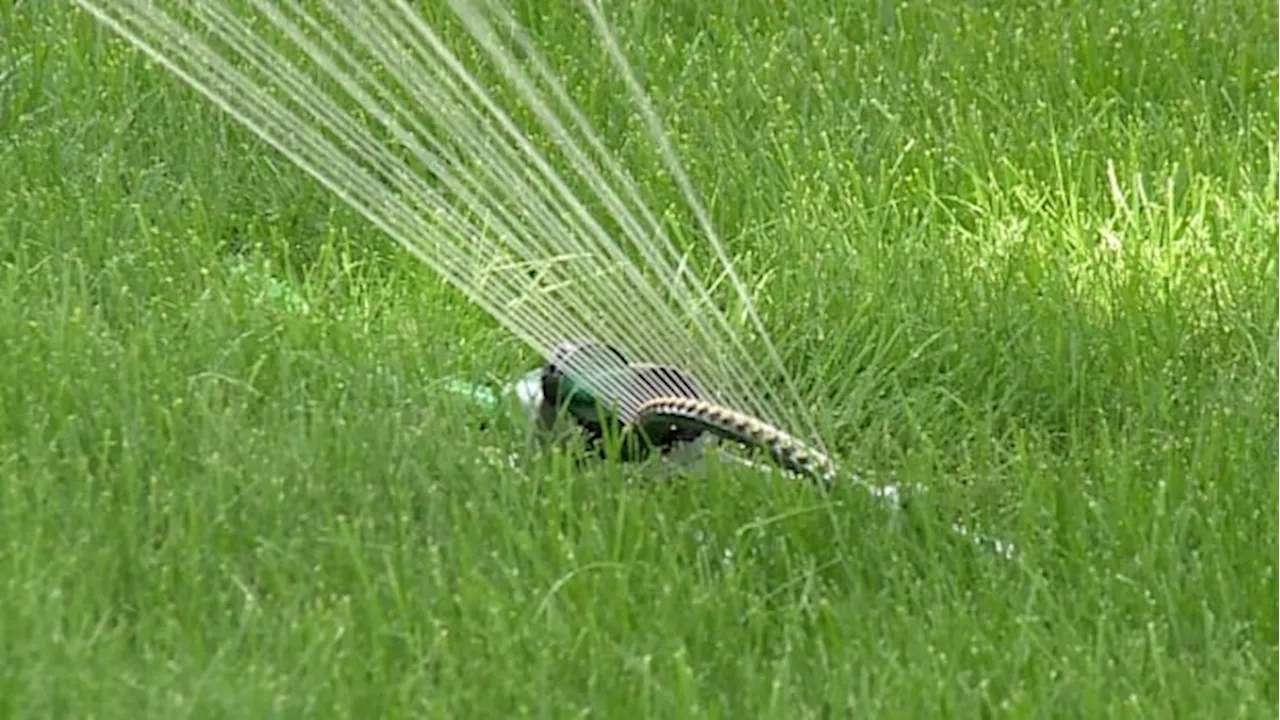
(731, 424)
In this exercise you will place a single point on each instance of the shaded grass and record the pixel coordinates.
(1021, 254)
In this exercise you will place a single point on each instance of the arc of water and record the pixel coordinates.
(492, 205)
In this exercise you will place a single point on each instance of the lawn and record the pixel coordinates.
(1021, 253)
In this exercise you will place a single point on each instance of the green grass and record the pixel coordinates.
(1022, 253)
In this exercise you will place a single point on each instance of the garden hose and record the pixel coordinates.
(703, 416)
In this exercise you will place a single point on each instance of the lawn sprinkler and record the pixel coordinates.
(594, 391)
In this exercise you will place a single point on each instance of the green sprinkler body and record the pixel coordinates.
(636, 383)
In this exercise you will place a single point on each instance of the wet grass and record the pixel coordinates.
(1021, 254)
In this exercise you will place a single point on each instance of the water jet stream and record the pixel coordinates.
(545, 231)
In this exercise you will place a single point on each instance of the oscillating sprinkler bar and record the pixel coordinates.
(658, 406)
